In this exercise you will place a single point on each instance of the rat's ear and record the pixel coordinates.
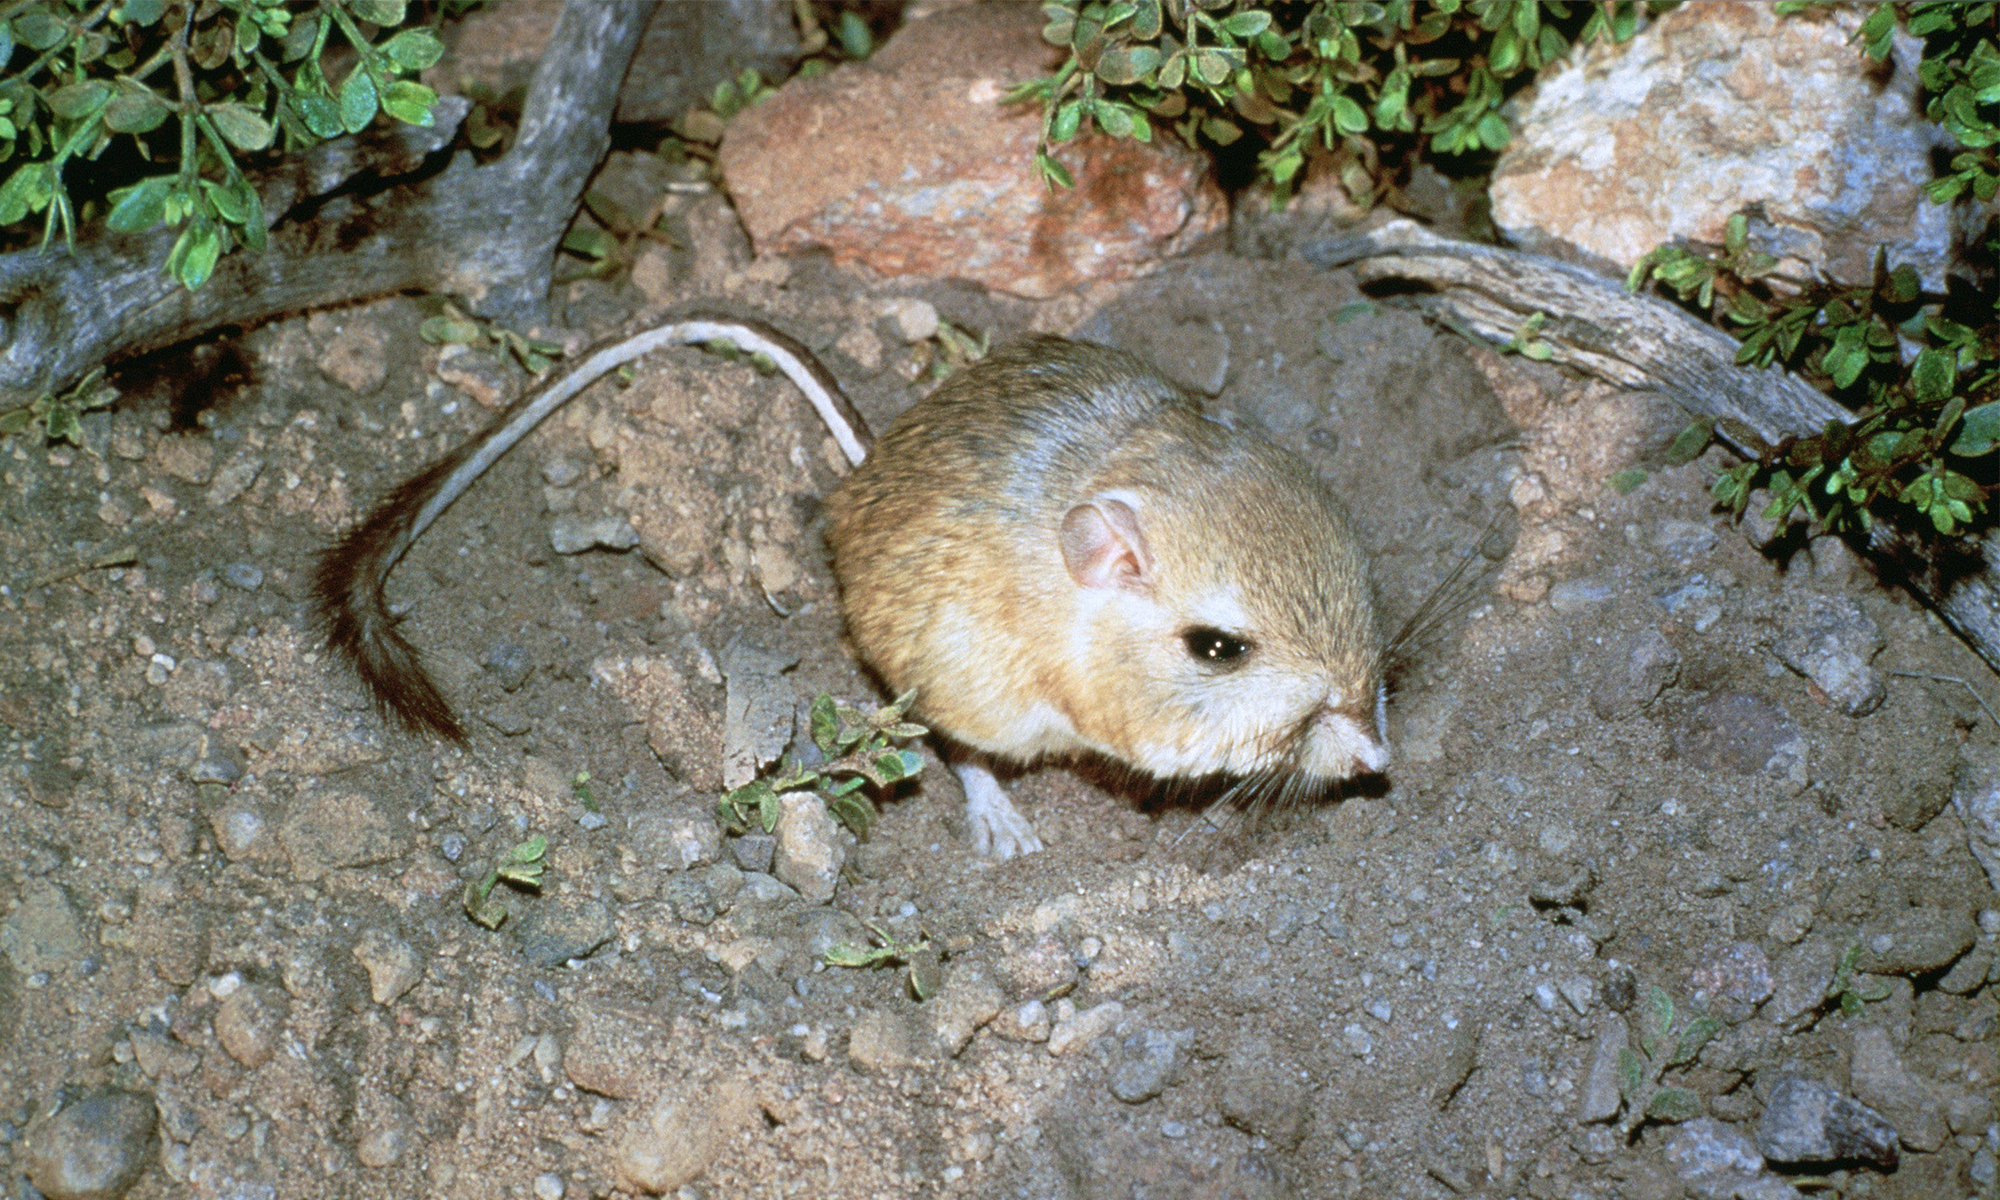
(1103, 546)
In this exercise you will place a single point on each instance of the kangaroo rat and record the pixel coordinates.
(1057, 549)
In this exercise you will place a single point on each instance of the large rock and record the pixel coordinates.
(910, 164)
(1716, 107)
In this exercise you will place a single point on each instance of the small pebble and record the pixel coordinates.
(510, 665)
(94, 1149)
(1146, 1064)
(243, 576)
(1806, 1121)
(571, 534)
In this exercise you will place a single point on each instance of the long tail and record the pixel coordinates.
(351, 609)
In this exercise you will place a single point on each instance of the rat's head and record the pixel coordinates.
(1226, 620)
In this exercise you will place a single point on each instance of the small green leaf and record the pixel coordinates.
(77, 101)
(1349, 117)
(410, 102)
(141, 206)
(135, 110)
(1690, 442)
(1978, 431)
(1247, 24)
(379, 12)
(40, 29)
(1697, 1034)
(194, 255)
(358, 101)
(1068, 119)
(414, 49)
(1656, 1014)
(240, 126)
(856, 40)
(590, 242)
(1623, 482)
(1932, 375)
(321, 115)
(1631, 1073)
(1674, 1105)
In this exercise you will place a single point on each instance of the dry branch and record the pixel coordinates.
(1594, 325)
(357, 217)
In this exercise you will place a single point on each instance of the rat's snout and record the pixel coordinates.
(1347, 739)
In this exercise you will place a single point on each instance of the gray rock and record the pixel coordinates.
(810, 853)
(1602, 1094)
(1882, 1082)
(1800, 979)
(968, 1000)
(1742, 735)
(44, 932)
(1829, 640)
(574, 534)
(510, 665)
(1715, 1162)
(234, 479)
(221, 764)
(1634, 675)
(250, 1022)
(754, 851)
(1970, 971)
(691, 899)
(553, 933)
(1145, 1065)
(1733, 981)
(243, 576)
(1263, 1093)
(392, 964)
(1975, 794)
(93, 1149)
(1580, 595)
(1806, 1121)
(1621, 987)
(1916, 940)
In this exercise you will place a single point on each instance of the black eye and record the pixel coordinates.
(1211, 645)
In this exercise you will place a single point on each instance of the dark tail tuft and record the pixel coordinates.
(353, 615)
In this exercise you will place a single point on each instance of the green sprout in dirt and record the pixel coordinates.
(924, 975)
(449, 325)
(60, 417)
(1851, 988)
(1920, 371)
(521, 866)
(1354, 82)
(199, 85)
(955, 347)
(1663, 1045)
(580, 787)
(859, 750)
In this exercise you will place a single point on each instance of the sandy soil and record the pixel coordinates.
(233, 893)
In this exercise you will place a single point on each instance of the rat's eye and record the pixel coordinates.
(1212, 646)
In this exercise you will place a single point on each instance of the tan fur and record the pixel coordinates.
(947, 547)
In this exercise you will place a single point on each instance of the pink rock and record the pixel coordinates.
(910, 165)
(1716, 107)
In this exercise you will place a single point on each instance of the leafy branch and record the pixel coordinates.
(218, 70)
(1337, 78)
(858, 751)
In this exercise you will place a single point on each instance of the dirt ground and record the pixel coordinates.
(232, 893)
